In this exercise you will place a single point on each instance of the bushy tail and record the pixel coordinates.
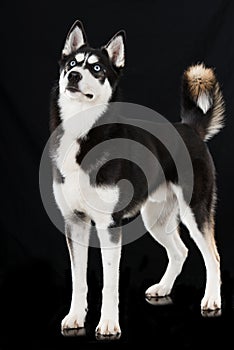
(202, 104)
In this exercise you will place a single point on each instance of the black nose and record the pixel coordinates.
(74, 77)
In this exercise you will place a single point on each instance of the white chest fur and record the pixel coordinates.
(76, 193)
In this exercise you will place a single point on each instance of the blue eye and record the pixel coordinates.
(72, 63)
(97, 68)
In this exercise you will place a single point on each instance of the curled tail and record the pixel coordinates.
(202, 104)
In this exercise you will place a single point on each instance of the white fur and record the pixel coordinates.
(217, 121)
(78, 248)
(160, 195)
(157, 218)
(212, 298)
(80, 57)
(204, 102)
(165, 205)
(92, 59)
(77, 193)
(109, 321)
(82, 118)
(66, 153)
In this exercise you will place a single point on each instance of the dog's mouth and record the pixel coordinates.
(75, 89)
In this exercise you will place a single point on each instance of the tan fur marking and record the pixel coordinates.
(209, 231)
(200, 80)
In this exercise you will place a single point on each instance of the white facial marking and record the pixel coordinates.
(80, 57)
(92, 59)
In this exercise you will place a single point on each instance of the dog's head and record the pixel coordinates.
(90, 75)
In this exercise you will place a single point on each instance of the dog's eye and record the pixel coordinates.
(72, 63)
(97, 68)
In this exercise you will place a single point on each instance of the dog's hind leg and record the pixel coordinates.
(162, 224)
(204, 239)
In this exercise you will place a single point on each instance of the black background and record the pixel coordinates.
(163, 38)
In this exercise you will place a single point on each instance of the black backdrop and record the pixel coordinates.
(163, 38)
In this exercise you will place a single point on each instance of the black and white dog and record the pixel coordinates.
(88, 83)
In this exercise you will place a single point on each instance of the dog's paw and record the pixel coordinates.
(158, 290)
(108, 327)
(72, 321)
(211, 302)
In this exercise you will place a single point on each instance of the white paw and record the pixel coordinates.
(158, 290)
(211, 302)
(108, 327)
(72, 321)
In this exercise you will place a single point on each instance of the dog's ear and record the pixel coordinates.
(116, 49)
(76, 38)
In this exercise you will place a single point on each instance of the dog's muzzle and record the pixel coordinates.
(73, 80)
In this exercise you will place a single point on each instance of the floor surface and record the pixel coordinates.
(32, 312)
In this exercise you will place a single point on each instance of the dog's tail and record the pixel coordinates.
(202, 104)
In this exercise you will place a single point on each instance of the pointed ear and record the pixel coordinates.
(76, 37)
(116, 49)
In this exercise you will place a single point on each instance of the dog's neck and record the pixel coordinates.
(79, 117)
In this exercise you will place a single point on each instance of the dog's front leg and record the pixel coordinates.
(110, 243)
(77, 234)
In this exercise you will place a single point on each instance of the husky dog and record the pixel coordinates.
(88, 82)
